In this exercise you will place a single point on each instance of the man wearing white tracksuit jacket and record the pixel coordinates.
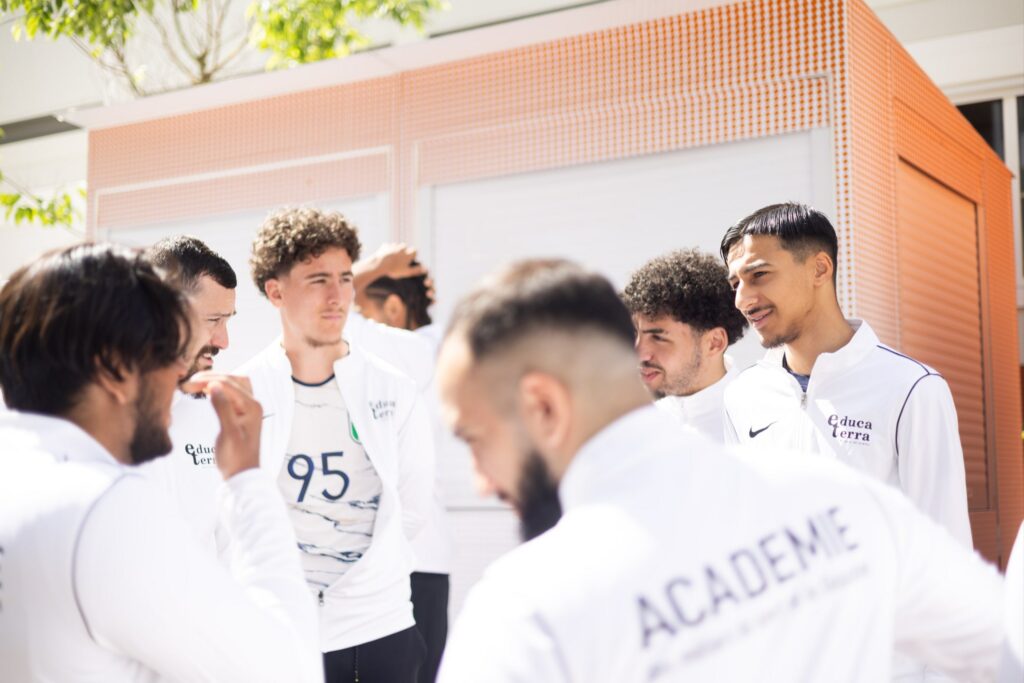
(874, 408)
(372, 599)
(674, 560)
(189, 472)
(827, 385)
(100, 580)
(349, 444)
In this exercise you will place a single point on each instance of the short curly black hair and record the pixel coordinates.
(290, 236)
(690, 286)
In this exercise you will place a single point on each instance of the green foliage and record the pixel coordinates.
(101, 23)
(302, 31)
(291, 31)
(28, 208)
(190, 33)
(25, 207)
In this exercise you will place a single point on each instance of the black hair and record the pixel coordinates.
(413, 293)
(187, 259)
(537, 295)
(689, 286)
(81, 310)
(801, 230)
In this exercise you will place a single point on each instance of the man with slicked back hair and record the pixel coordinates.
(828, 385)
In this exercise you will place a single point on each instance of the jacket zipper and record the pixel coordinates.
(320, 597)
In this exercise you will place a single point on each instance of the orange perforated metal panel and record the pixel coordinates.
(937, 248)
(934, 246)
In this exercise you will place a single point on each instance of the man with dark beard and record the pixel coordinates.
(675, 560)
(99, 579)
(189, 473)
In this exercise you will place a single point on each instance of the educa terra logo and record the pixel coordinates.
(850, 429)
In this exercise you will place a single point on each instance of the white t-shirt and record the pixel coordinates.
(329, 484)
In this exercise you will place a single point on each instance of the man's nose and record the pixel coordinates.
(745, 297)
(220, 336)
(485, 488)
(643, 350)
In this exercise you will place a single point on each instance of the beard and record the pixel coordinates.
(212, 351)
(150, 439)
(787, 337)
(537, 498)
(681, 383)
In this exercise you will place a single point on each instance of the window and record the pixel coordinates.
(987, 119)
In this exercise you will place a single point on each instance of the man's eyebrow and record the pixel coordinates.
(760, 263)
(653, 330)
(344, 273)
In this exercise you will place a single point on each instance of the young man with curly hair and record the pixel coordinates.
(685, 321)
(350, 445)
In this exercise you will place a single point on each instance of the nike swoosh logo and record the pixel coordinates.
(272, 415)
(754, 432)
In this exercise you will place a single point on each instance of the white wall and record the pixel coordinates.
(43, 165)
(613, 216)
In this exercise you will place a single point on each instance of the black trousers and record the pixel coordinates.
(430, 609)
(392, 659)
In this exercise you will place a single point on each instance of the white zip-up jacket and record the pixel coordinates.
(704, 410)
(189, 474)
(100, 581)
(674, 561)
(433, 545)
(876, 409)
(372, 599)
(410, 352)
(1012, 669)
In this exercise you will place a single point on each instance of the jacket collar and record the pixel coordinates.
(620, 447)
(863, 342)
(345, 367)
(62, 439)
(704, 402)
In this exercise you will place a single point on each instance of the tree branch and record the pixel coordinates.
(165, 38)
(237, 50)
(181, 35)
(121, 69)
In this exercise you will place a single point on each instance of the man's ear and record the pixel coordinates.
(823, 268)
(546, 410)
(395, 311)
(272, 288)
(715, 341)
(122, 385)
